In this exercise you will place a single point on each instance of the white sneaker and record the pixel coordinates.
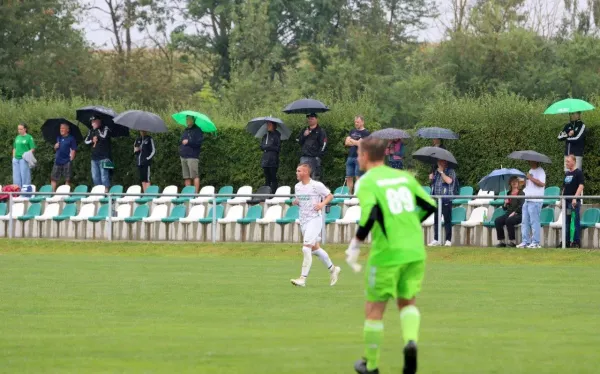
(334, 275)
(523, 245)
(435, 243)
(448, 243)
(300, 282)
(534, 246)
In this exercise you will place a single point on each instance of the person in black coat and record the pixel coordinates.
(573, 135)
(271, 146)
(513, 215)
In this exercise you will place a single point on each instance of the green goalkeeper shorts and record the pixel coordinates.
(394, 282)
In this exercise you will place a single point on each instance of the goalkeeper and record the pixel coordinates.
(393, 207)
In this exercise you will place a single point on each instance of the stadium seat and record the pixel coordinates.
(499, 201)
(70, 210)
(116, 192)
(262, 190)
(351, 202)
(18, 210)
(94, 198)
(476, 219)
(86, 212)
(141, 212)
(2, 208)
(177, 214)
(546, 217)
(82, 188)
(351, 217)
(123, 211)
(237, 200)
(195, 214)
(218, 214)
(150, 194)
(34, 210)
(164, 198)
(490, 224)
(272, 214)
(41, 198)
(464, 191)
(64, 189)
(427, 225)
(131, 195)
(233, 214)
(342, 190)
(459, 215)
(335, 213)
(27, 192)
(484, 198)
(225, 190)
(158, 213)
(187, 190)
(427, 189)
(100, 216)
(588, 220)
(278, 198)
(51, 211)
(551, 191)
(206, 190)
(254, 213)
(291, 215)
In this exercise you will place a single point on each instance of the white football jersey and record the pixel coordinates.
(308, 196)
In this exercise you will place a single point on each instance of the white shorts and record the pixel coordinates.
(311, 231)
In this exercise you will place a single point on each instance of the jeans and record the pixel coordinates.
(510, 223)
(271, 178)
(315, 165)
(100, 176)
(531, 222)
(447, 214)
(574, 213)
(352, 168)
(21, 172)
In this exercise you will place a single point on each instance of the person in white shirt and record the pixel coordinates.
(532, 209)
(312, 196)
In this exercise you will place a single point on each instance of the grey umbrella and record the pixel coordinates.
(306, 106)
(391, 134)
(430, 155)
(530, 156)
(141, 121)
(258, 127)
(436, 133)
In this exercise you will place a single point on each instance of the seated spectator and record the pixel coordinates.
(512, 217)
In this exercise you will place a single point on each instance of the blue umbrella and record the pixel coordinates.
(436, 133)
(497, 180)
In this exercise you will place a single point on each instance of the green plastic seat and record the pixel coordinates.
(184, 199)
(546, 217)
(3, 210)
(82, 188)
(292, 214)
(335, 213)
(141, 212)
(459, 215)
(41, 198)
(499, 201)
(590, 218)
(289, 201)
(151, 193)
(177, 213)
(34, 210)
(464, 191)
(342, 190)
(427, 189)
(220, 212)
(492, 221)
(70, 210)
(224, 190)
(116, 190)
(254, 213)
(551, 191)
(102, 214)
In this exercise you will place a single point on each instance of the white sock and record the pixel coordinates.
(324, 257)
(307, 262)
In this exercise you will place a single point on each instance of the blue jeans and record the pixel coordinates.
(100, 176)
(531, 222)
(352, 168)
(21, 172)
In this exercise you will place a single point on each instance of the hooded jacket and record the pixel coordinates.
(573, 144)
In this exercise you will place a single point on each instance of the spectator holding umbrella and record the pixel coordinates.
(512, 217)
(65, 148)
(189, 151)
(270, 144)
(532, 209)
(356, 134)
(144, 150)
(573, 186)
(313, 141)
(22, 144)
(100, 140)
(573, 135)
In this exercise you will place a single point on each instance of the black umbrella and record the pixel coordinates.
(436, 133)
(306, 106)
(104, 114)
(530, 156)
(391, 134)
(51, 130)
(141, 121)
(258, 127)
(430, 155)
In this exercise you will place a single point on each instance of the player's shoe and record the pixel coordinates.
(410, 358)
(361, 367)
(300, 282)
(333, 276)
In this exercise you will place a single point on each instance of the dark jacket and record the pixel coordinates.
(313, 144)
(147, 150)
(573, 144)
(514, 205)
(102, 149)
(195, 137)
(270, 145)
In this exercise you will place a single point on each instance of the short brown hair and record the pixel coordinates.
(572, 158)
(306, 166)
(374, 148)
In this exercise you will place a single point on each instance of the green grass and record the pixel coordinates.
(193, 308)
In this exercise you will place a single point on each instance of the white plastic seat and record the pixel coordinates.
(277, 199)
(272, 214)
(27, 189)
(94, 199)
(18, 210)
(483, 199)
(352, 215)
(351, 202)
(476, 219)
(244, 190)
(196, 212)
(133, 193)
(65, 188)
(51, 211)
(236, 212)
(123, 211)
(429, 221)
(85, 212)
(159, 212)
(206, 190)
(169, 190)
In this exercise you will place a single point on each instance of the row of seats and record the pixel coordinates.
(487, 197)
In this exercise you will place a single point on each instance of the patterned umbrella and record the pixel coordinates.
(436, 133)
(391, 134)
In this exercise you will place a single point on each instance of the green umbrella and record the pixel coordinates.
(201, 120)
(569, 106)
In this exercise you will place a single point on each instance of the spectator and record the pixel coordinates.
(65, 148)
(271, 145)
(23, 143)
(356, 134)
(574, 135)
(573, 186)
(313, 141)
(532, 209)
(99, 138)
(443, 185)
(435, 143)
(512, 217)
(189, 151)
(395, 153)
(144, 151)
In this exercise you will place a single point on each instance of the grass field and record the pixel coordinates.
(87, 307)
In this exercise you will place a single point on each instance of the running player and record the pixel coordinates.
(390, 200)
(312, 196)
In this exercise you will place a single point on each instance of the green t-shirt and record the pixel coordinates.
(22, 144)
(397, 234)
